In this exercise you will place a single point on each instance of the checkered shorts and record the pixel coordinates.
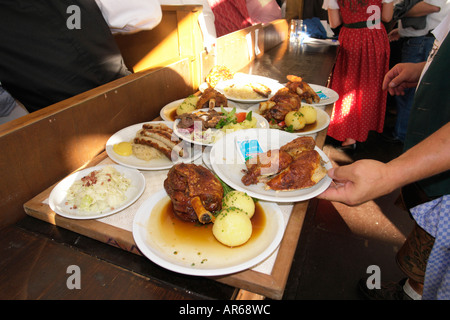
(434, 217)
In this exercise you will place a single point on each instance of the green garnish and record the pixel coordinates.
(230, 117)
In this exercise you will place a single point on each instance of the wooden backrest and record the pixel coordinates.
(41, 148)
(237, 49)
(275, 32)
(177, 36)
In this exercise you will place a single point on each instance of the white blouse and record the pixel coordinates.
(131, 15)
(332, 4)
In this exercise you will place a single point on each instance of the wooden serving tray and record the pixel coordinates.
(270, 285)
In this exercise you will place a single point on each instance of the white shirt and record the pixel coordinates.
(433, 19)
(440, 33)
(332, 4)
(131, 15)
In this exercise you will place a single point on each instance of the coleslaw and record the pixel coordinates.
(101, 190)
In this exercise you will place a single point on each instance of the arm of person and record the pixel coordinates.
(334, 14)
(334, 18)
(387, 11)
(130, 16)
(402, 76)
(366, 180)
(422, 9)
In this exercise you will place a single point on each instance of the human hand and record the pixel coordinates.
(394, 35)
(401, 77)
(358, 182)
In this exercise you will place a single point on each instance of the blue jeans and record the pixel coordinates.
(414, 49)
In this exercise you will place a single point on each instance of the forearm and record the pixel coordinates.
(387, 12)
(422, 9)
(334, 18)
(428, 158)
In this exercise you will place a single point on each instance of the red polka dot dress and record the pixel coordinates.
(362, 62)
(230, 15)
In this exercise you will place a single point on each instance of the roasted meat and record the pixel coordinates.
(303, 89)
(207, 119)
(304, 172)
(211, 98)
(264, 165)
(195, 192)
(296, 165)
(298, 145)
(280, 104)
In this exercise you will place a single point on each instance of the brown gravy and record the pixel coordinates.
(198, 233)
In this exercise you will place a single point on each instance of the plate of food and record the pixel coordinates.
(189, 104)
(308, 93)
(307, 119)
(96, 192)
(326, 95)
(150, 146)
(205, 126)
(271, 165)
(245, 88)
(174, 241)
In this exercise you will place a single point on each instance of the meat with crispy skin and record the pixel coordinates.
(281, 103)
(265, 164)
(303, 89)
(195, 192)
(304, 172)
(211, 98)
(298, 145)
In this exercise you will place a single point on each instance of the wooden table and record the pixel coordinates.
(314, 64)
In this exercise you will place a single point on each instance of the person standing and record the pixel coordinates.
(422, 172)
(51, 50)
(416, 46)
(362, 62)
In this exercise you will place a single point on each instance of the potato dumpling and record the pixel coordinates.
(188, 105)
(309, 112)
(295, 119)
(240, 200)
(248, 124)
(232, 227)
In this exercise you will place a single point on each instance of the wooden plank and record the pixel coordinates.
(235, 50)
(46, 145)
(177, 36)
(274, 33)
(35, 268)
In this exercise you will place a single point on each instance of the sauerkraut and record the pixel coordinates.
(100, 191)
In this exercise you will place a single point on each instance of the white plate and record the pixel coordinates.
(229, 166)
(327, 95)
(261, 123)
(170, 107)
(271, 83)
(206, 157)
(207, 258)
(58, 196)
(322, 122)
(127, 135)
